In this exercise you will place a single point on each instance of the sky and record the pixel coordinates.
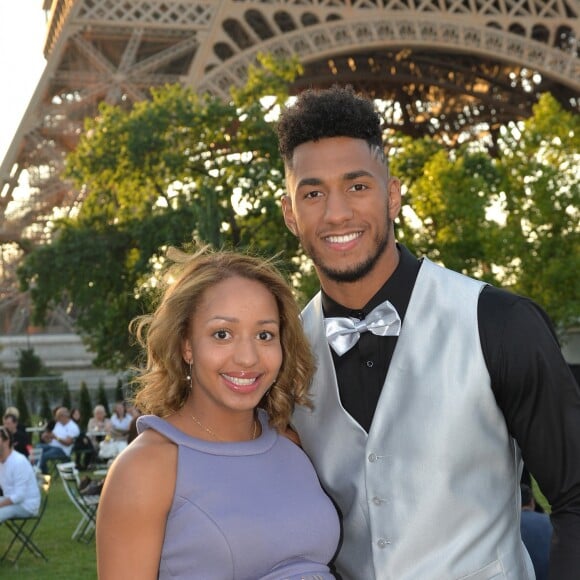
(22, 31)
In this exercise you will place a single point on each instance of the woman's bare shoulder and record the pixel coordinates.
(149, 460)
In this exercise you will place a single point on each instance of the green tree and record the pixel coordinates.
(511, 218)
(22, 406)
(85, 406)
(119, 390)
(177, 167)
(45, 409)
(66, 397)
(30, 364)
(541, 186)
(102, 398)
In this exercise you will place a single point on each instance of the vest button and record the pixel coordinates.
(372, 457)
(383, 542)
(370, 363)
(377, 500)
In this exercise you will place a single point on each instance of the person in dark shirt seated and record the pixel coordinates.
(536, 530)
(20, 439)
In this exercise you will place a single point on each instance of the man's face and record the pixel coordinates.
(10, 424)
(4, 449)
(341, 205)
(63, 417)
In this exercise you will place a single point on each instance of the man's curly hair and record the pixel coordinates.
(334, 112)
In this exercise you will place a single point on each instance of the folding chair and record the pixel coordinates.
(86, 504)
(23, 528)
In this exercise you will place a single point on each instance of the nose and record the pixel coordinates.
(246, 352)
(338, 209)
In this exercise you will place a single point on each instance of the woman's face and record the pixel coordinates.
(234, 345)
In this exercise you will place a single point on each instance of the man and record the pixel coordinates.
(536, 533)
(21, 494)
(60, 439)
(421, 409)
(19, 436)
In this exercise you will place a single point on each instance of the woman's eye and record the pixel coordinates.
(221, 334)
(265, 335)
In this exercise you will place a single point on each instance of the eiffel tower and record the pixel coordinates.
(442, 65)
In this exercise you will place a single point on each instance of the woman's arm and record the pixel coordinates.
(133, 508)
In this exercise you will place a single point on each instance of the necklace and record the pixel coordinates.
(213, 434)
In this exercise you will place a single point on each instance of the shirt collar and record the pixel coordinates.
(397, 289)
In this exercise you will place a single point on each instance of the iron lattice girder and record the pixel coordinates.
(446, 86)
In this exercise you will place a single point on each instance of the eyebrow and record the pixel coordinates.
(233, 319)
(356, 174)
(350, 176)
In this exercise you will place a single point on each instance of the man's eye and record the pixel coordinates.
(221, 334)
(312, 194)
(358, 187)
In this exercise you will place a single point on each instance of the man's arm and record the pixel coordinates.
(540, 399)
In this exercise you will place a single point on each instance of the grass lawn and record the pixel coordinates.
(67, 559)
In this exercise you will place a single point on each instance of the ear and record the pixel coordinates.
(288, 213)
(394, 197)
(186, 352)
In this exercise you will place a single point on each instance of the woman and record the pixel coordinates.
(120, 422)
(210, 488)
(99, 425)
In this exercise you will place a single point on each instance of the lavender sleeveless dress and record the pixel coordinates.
(245, 511)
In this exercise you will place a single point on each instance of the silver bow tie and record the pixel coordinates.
(343, 333)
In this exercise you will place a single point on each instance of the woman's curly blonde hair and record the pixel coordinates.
(161, 386)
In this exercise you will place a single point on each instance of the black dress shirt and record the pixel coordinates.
(21, 440)
(532, 384)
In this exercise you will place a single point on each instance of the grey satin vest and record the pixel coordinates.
(432, 492)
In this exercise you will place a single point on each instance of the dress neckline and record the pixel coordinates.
(261, 444)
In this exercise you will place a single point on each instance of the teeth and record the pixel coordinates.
(239, 381)
(343, 239)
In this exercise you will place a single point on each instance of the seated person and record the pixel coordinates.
(536, 529)
(61, 439)
(20, 438)
(21, 497)
(120, 422)
(99, 425)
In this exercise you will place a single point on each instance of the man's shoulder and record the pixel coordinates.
(16, 459)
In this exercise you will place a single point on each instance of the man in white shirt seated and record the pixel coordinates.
(61, 439)
(21, 494)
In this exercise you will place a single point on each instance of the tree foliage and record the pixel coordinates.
(102, 398)
(22, 406)
(45, 413)
(66, 397)
(182, 167)
(512, 219)
(85, 406)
